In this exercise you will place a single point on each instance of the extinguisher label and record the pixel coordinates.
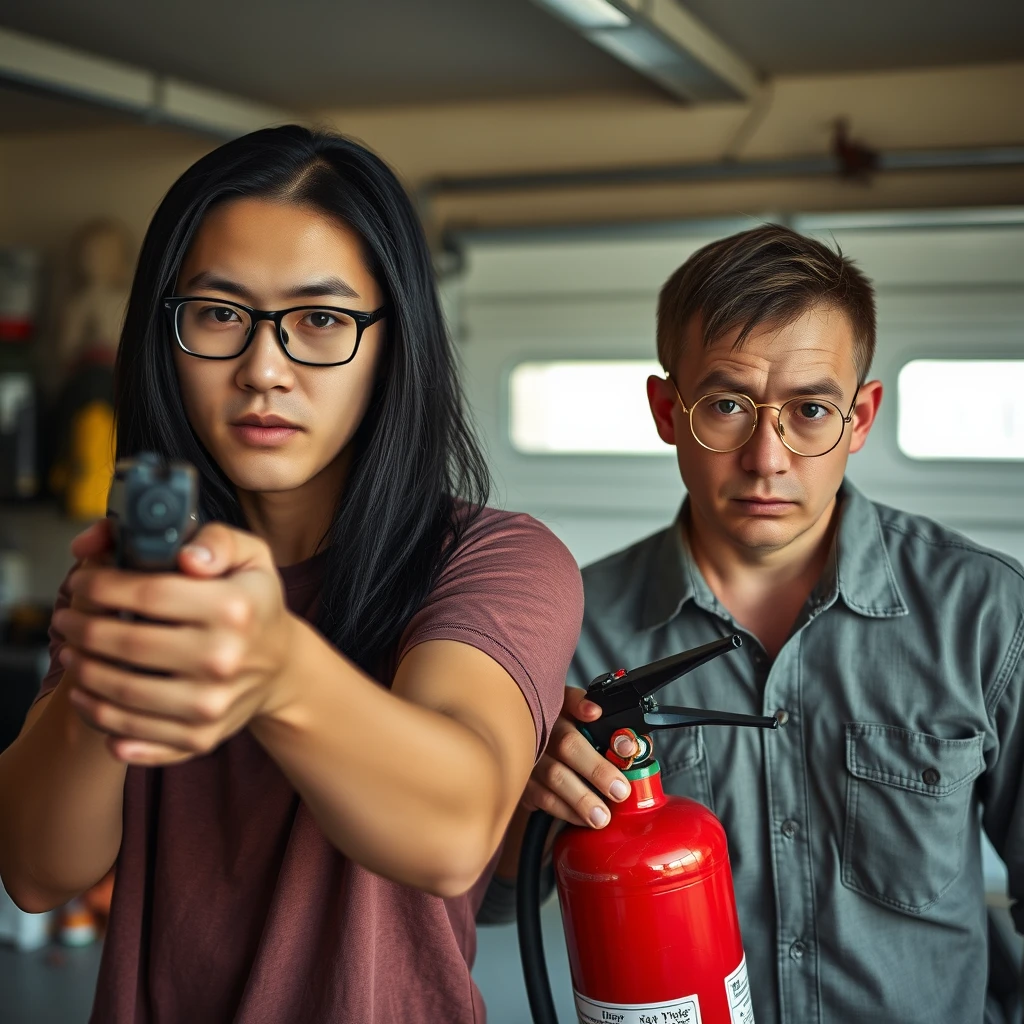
(678, 1011)
(737, 991)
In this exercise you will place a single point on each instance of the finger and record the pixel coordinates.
(82, 603)
(131, 725)
(180, 699)
(537, 798)
(167, 597)
(570, 747)
(177, 650)
(94, 541)
(626, 746)
(218, 549)
(149, 755)
(565, 784)
(576, 705)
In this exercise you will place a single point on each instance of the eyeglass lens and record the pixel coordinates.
(808, 426)
(311, 335)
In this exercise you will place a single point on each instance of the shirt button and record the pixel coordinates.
(790, 828)
(782, 716)
(931, 776)
(797, 950)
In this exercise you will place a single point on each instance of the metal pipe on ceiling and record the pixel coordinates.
(49, 69)
(725, 170)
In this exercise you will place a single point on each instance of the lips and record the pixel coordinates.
(253, 420)
(759, 506)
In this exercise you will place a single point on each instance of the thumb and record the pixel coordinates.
(575, 705)
(93, 542)
(196, 559)
(217, 550)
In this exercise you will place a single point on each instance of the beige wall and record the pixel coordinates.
(906, 110)
(50, 183)
(911, 109)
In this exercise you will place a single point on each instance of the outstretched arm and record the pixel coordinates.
(416, 783)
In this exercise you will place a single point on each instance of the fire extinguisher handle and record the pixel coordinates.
(531, 938)
(668, 717)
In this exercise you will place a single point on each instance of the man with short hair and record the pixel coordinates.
(888, 648)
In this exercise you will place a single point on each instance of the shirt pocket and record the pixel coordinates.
(908, 795)
(684, 766)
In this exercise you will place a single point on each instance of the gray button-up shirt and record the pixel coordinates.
(854, 828)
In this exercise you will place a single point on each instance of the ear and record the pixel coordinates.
(661, 396)
(865, 409)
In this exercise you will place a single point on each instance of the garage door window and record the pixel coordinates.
(962, 409)
(583, 407)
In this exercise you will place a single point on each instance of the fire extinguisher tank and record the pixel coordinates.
(649, 913)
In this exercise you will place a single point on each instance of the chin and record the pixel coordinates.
(264, 473)
(764, 533)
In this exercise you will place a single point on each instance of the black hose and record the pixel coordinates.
(531, 941)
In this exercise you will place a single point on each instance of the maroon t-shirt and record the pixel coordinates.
(230, 905)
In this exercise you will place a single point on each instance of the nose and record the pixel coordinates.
(263, 366)
(765, 454)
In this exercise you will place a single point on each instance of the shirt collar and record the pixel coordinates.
(676, 579)
(859, 570)
(863, 572)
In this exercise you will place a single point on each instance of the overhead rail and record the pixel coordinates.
(726, 170)
(57, 70)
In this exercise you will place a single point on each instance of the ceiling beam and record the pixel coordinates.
(61, 71)
(666, 44)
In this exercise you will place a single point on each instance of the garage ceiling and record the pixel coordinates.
(784, 37)
(305, 54)
(327, 53)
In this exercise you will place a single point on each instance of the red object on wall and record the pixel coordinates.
(649, 913)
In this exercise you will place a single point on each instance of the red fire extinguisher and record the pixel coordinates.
(647, 902)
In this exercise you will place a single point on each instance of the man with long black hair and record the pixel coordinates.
(890, 650)
(303, 749)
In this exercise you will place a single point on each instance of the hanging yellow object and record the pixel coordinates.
(91, 461)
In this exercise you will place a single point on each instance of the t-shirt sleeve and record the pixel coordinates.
(56, 669)
(513, 591)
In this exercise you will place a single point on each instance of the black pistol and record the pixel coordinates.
(152, 510)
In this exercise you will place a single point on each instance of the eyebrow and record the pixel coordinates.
(719, 380)
(334, 286)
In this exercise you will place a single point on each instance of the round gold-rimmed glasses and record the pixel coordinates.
(724, 421)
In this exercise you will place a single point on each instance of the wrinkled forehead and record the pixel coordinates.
(816, 346)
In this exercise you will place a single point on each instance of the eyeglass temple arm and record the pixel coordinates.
(668, 377)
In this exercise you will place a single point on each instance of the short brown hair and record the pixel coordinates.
(769, 275)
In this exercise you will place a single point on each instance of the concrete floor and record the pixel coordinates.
(55, 985)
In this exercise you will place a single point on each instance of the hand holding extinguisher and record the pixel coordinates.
(647, 902)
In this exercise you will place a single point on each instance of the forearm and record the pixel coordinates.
(406, 791)
(60, 807)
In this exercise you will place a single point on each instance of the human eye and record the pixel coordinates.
(217, 316)
(324, 320)
(726, 405)
(810, 411)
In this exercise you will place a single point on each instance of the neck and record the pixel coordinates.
(295, 523)
(764, 589)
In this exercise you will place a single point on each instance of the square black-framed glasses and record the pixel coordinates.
(361, 319)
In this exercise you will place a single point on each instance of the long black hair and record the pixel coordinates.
(417, 474)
